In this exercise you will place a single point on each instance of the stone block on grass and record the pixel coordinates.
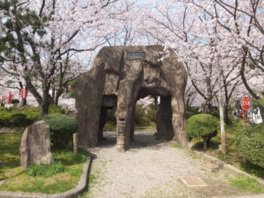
(35, 145)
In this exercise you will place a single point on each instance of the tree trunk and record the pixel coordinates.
(208, 102)
(33, 90)
(205, 144)
(44, 108)
(222, 147)
(57, 96)
(46, 99)
(53, 95)
(226, 117)
(24, 102)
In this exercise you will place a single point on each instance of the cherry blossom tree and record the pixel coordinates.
(243, 23)
(44, 38)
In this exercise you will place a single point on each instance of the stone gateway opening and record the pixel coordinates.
(118, 78)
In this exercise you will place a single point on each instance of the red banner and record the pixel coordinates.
(23, 93)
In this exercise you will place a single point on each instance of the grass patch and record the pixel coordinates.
(246, 184)
(175, 145)
(45, 170)
(232, 155)
(61, 176)
(9, 155)
(110, 126)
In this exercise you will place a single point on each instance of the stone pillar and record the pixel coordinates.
(35, 145)
(121, 131)
(75, 143)
(178, 120)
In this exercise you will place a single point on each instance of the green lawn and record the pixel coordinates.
(246, 184)
(9, 155)
(60, 177)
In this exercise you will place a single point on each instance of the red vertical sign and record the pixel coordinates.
(245, 103)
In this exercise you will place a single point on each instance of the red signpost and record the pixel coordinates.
(245, 104)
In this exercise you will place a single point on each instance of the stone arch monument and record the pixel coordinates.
(118, 78)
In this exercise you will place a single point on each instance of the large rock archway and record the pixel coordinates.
(119, 76)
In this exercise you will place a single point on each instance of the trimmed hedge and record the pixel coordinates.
(251, 144)
(23, 116)
(202, 126)
(5, 115)
(19, 119)
(16, 117)
(62, 128)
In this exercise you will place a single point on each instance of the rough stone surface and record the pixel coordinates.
(119, 77)
(35, 145)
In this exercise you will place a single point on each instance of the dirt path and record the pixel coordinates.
(151, 169)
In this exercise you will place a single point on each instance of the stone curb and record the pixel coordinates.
(72, 193)
(226, 166)
(230, 168)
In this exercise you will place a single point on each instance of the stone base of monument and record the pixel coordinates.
(35, 145)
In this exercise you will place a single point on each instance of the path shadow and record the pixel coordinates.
(142, 139)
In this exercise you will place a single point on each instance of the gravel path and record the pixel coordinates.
(151, 169)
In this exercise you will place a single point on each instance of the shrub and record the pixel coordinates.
(69, 158)
(202, 126)
(23, 116)
(45, 169)
(61, 129)
(152, 114)
(5, 116)
(18, 116)
(73, 91)
(18, 119)
(53, 109)
(32, 113)
(15, 101)
(251, 144)
(191, 112)
(140, 117)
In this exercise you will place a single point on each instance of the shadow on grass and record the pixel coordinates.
(10, 177)
(252, 169)
(9, 147)
(213, 145)
(67, 157)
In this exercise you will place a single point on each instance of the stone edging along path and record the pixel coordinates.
(221, 164)
(226, 166)
(72, 193)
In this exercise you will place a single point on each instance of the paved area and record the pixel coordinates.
(152, 169)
